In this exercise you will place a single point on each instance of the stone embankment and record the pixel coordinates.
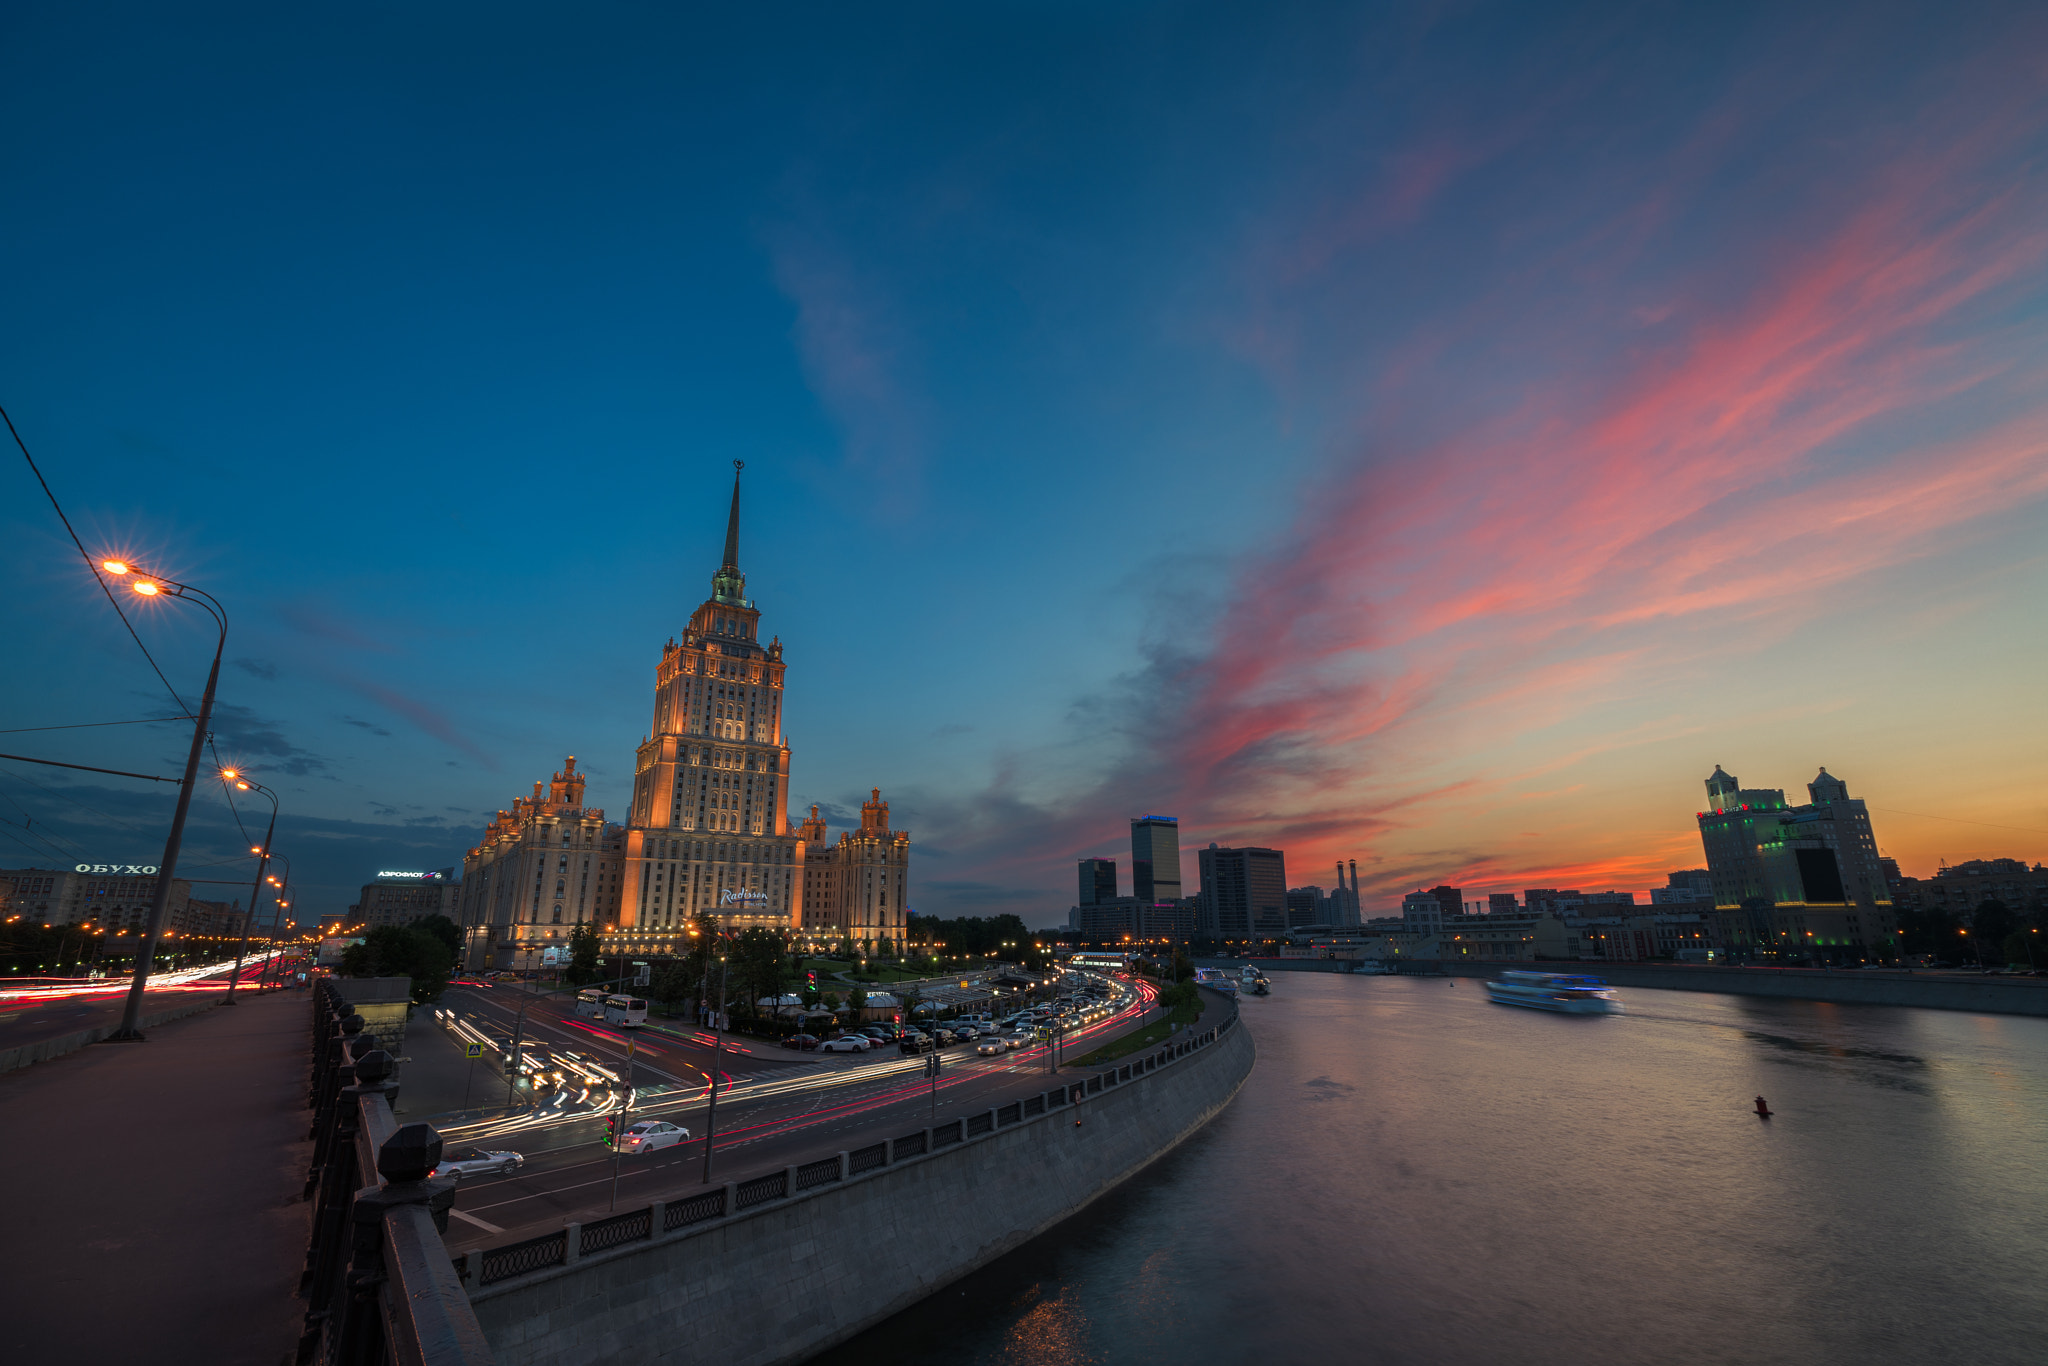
(777, 1269)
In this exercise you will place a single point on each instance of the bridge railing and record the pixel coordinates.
(378, 1283)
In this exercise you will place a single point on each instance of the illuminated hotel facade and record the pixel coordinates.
(709, 830)
(542, 868)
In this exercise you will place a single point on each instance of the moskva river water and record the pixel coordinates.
(1413, 1174)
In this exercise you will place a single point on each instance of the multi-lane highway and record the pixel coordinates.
(49, 1007)
(775, 1106)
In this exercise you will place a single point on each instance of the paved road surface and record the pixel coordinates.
(32, 1015)
(781, 1108)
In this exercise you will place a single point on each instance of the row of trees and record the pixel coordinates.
(1995, 936)
(971, 938)
(426, 951)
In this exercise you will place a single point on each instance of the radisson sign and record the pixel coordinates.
(743, 898)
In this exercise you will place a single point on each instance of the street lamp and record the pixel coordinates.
(152, 586)
(245, 784)
(280, 899)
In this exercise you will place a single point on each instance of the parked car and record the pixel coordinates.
(913, 1042)
(963, 1030)
(650, 1135)
(478, 1162)
(847, 1043)
(991, 1048)
(943, 1036)
(806, 1042)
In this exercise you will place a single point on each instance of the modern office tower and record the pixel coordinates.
(1816, 865)
(1452, 899)
(1305, 906)
(1098, 881)
(399, 898)
(542, 868)
(1155, 858)
(1244, 891)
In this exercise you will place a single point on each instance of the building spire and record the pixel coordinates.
(728, 584)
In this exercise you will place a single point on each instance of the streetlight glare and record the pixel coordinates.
(114, 566)
(147, 589)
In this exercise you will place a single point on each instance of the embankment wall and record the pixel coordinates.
(783, 1281)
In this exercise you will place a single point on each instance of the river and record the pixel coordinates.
(1415, 1175)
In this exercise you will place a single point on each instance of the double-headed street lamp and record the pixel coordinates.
(281, 894)
(157, 586)
(245, 784)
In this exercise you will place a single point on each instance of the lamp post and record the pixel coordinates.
(280, 902)
(241, 781)
(155, 586)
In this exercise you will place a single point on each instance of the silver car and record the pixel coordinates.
(845, 1043)
(478, 1162)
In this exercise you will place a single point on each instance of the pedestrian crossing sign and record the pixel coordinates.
(473, 1050)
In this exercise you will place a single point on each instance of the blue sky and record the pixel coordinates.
(1374, 433)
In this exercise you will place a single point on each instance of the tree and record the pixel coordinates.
(2021, 947)
(759, 962)
(1183, 966)
(1991, 924)
(674, 986)
(402, 951)
(583, 947)
(443, 929)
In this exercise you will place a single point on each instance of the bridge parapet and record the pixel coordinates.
(378, 1282)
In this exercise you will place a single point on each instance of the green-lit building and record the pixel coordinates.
(1795, 881)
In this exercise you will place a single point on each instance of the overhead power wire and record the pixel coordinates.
(98, 577)
(88, 725)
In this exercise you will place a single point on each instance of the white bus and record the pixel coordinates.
(590, 1004)
(628, 1011)
(1101, 962)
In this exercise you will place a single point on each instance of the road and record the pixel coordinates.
(774, 1107)
(50, 1008)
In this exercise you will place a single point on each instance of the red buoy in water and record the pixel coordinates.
(1763, 1111)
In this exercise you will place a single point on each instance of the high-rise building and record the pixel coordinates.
(1155, 858)
(1424, 911)
(1452, 899)
(542, 868)
(1816, 866)
(1244, 891)
(861, 884)
(399, 897)
(1501, 903)
(1098, 881)
(1305, 906)
(709, 829)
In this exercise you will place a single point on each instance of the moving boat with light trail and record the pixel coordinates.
(1568, 993)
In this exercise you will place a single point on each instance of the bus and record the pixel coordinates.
(1101, 961)
(590, 1004)
(627, 1011)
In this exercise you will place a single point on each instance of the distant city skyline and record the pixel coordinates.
(1357, 433)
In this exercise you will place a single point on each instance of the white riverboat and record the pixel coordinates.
(1217, 979)
(1569, 993)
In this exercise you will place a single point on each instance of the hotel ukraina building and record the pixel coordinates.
(709, 828)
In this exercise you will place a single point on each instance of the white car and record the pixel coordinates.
(1018, 1040)
(478, 1162)
(650, 1135)
(844, 1044)
(990, 1048)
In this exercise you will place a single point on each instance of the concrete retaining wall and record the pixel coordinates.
(1986, 995)
(784, 1281)
(45, 1049)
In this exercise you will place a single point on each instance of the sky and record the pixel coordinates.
(1430, 435)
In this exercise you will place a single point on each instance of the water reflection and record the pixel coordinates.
(1416, 1175)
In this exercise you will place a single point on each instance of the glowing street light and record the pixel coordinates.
(262, 865)
(151, 586)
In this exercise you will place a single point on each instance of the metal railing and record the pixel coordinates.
(378, 1282)
(513, 1260)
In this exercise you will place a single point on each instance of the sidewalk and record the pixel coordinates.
(153, 1207)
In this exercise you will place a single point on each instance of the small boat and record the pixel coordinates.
(1372, 967)
(1568, 993)
(1259, 987)
(1217, 979)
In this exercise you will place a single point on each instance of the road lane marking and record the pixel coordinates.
(483, 1224)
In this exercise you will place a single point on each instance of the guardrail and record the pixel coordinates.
(495, 1266)
(378, 1282)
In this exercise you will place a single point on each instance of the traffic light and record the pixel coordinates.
(611, 1131)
